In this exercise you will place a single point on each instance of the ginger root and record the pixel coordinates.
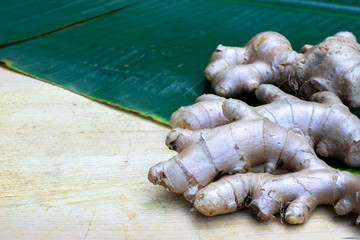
(333, 65)
(251, 140)
(298, 193)
(218, 140)
(327, 123)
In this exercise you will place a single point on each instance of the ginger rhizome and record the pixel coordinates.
(251, 140)
(333, 65)
(327, 123)
(298, 193)
(218, 140)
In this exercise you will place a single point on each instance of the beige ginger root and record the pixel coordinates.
(298, 193)
(333, 65)
(252, 140)
(326, 122)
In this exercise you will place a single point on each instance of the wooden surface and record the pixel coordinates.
(71, 168)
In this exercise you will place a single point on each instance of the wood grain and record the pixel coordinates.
(71, 168)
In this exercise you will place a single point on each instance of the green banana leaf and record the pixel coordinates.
(23, 20)
(148, 56)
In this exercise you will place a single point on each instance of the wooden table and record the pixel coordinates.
(72, 168)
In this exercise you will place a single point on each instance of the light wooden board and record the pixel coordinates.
(71, 168)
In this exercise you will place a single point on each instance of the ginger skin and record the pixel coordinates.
(327, 123)
(333, 65)
(298, 192)
(206, 154)
(223, 138)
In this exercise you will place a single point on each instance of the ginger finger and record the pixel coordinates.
(224, 57)
(225, 149)
(236, 80)
(179, 138)
(332, 65)
(265, 55)
(328, 125)
(207, 113)
(301, 192)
